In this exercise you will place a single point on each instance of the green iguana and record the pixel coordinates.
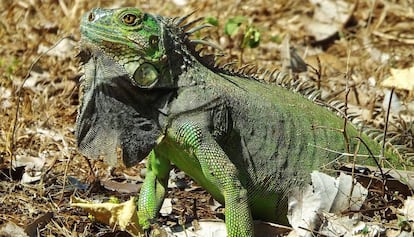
(148, 92)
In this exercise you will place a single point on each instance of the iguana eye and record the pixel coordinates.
(130, 19)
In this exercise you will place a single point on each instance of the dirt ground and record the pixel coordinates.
(39, 93)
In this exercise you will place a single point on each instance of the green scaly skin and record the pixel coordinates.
(246, 142)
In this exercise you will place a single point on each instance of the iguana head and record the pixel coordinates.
(125, 86)
(131, 37)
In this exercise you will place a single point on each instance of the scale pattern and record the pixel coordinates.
(148, 93)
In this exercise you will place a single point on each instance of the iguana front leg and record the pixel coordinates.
(217, 167)
(153, 189)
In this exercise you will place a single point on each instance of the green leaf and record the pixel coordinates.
(212, 20)
(251, 38)
(276, 39)
(114, 200)
(233, 24)
(365, 230)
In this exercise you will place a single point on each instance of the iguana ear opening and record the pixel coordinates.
(146, 75)
(143, 75)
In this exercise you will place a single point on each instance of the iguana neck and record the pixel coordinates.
(181, 53)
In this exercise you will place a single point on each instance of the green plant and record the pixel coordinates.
(233, 24)
(212, 20)
(248, 36)
(365, 230)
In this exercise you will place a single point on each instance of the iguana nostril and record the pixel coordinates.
(91, 16)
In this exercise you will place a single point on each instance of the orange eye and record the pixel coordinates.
(130, 19)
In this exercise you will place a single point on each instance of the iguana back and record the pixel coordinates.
(274, 137)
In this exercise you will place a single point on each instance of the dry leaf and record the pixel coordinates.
(5, 98)
(33, 167)
(408, 209)
(206, 228)
(167, 207)
(326, 194)
(262, 228)
(39, 223)
(335, 225)
(344, 199)
(180, 3)
(30, 162)
(402, 79)
(11, 230)
(304, 205)
(329, 18)
(121, 187)
(33, 82)
(122, 216)
(395, 106)
(64, 49)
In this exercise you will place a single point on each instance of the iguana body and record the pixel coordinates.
(247, 143)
